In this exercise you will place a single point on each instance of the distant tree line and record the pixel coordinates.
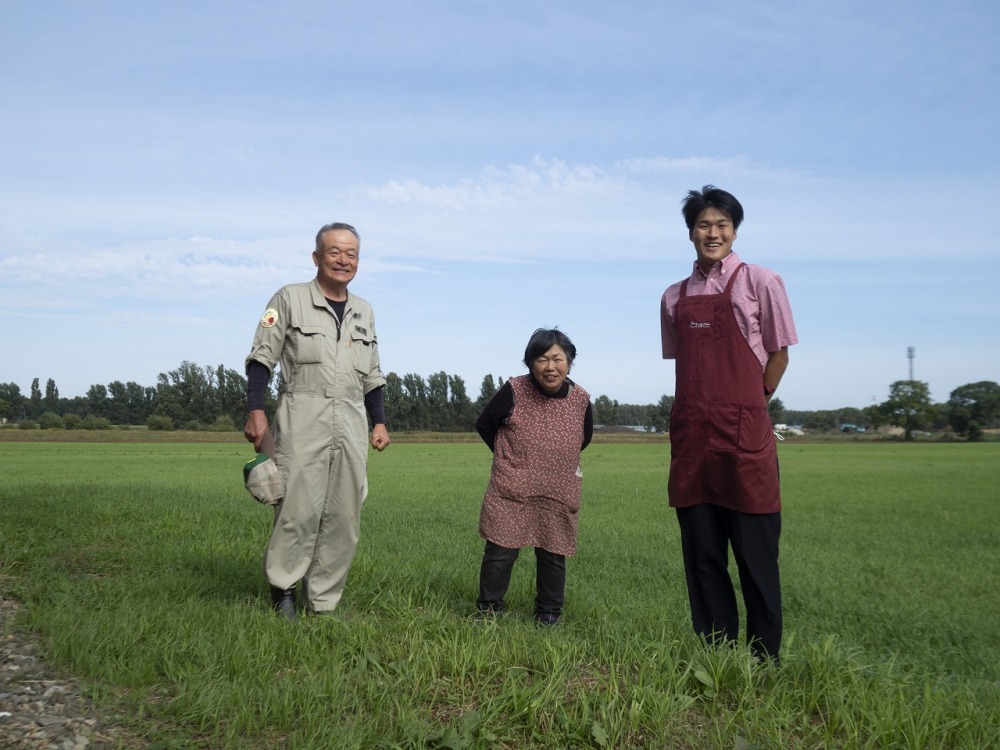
(969, 410)
(442, 404)
(193, 397)
(190, 397)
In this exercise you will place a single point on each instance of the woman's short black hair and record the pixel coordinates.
(544, 339)
(711, 197)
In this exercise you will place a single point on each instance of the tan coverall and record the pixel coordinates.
(321, 435)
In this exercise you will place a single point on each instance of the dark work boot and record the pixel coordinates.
(283, 601)
(548, 619)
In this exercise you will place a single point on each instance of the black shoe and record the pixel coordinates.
(491, 611)
(546, 618)
(283, 601)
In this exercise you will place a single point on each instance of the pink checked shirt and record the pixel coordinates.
(759, 300)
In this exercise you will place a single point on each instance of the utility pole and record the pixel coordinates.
(910, 354)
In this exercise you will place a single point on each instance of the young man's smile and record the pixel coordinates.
(713, 235)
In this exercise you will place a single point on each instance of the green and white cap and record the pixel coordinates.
(263, 480)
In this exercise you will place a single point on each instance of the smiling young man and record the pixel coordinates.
(728, 327)
(323, 338)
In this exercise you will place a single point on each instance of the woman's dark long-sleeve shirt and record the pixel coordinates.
(500, 406)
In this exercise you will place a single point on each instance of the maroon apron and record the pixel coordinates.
(722, 447)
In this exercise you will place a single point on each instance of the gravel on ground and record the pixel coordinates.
(43, 709)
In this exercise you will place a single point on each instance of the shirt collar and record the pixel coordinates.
(724, 267)
(319, 299)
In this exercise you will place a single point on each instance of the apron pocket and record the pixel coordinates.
(723, 427)
(756, 432)
(739, 427)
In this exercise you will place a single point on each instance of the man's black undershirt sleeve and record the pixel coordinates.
(257, 377)
(375, 405)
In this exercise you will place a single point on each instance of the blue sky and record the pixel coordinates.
(165, 166)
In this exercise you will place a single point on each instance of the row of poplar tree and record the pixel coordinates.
(195, 397)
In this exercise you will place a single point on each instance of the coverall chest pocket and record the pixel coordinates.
(362, 346)
(308, 343)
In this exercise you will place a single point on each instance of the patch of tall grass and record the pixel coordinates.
(140, 567)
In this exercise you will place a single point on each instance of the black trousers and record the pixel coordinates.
(494, 579)
(707, 531)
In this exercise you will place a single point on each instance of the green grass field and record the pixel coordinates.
(140, 567)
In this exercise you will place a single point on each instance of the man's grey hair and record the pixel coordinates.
(337, 225)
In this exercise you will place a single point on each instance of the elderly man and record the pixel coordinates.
(728, 326)
(323, 338)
